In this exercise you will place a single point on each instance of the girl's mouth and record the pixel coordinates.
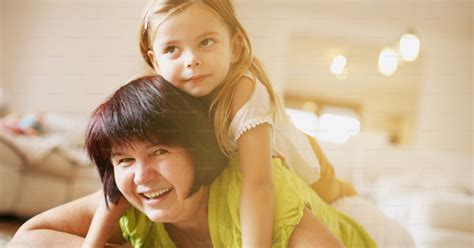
(197, 79)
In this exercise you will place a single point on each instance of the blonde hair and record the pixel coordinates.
(222, 102)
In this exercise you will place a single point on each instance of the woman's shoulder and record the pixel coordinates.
(292, 197)
(224, 200)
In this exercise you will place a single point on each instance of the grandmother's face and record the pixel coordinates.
(156, 180)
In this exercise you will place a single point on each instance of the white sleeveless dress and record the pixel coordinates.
(287, 140)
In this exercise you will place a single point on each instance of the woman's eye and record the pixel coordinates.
(207, 42)
(170, 50)
(160, 151)
(123, 161)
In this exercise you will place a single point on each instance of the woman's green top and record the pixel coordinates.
(292, 195)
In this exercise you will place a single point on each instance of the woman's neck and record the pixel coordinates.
(195, 231)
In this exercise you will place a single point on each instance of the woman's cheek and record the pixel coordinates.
(122, 179)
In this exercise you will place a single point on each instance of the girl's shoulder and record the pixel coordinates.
(243, 93)
(253, 109)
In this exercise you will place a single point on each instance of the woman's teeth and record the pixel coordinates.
(158, 193)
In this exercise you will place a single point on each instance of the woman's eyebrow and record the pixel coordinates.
(146, 148)
(117, 154)
(151, 147)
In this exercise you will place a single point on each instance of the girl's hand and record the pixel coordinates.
(279, 156)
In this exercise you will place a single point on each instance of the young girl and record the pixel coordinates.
(201, 48)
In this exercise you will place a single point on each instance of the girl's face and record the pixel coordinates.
(193, 50)
(156, 179)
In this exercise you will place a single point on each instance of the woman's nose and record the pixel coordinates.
(144, 174)
(192, 60)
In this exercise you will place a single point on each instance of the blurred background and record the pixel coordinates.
(386, 86)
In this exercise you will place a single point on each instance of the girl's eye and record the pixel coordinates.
(170, 50)
(207, 42)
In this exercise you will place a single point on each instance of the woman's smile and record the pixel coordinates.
(153, 199)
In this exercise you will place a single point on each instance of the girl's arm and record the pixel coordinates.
(257, 199)
(104, 222)
(62, 226)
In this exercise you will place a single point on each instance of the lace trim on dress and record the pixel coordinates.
(252, 124)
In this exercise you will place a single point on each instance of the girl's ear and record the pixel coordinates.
(237, 46)
(152, 58)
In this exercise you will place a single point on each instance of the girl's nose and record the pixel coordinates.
(192, 60)
(193, 64)
(144, 174)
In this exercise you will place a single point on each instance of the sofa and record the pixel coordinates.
(431, 193)
(40, 172)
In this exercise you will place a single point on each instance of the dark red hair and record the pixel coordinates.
(149, 109)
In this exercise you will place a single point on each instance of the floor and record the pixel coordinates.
(8, 227)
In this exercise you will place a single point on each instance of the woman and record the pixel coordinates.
(154, 146)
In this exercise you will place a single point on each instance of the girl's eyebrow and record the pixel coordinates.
(165, 43)
(210, 33)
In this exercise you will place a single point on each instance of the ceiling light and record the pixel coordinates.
(409, 47)
(388, 61)
(338, 65)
